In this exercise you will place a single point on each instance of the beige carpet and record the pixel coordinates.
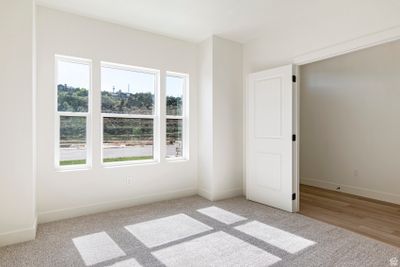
(196, 232)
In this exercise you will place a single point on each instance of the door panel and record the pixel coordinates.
(268, 170)
(270, 175)
(267, 109)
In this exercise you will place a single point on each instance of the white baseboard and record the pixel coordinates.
(56, 215)
(223, 194)
(359, 191)
(18, 236)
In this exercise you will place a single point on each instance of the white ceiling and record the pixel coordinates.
(237, 20)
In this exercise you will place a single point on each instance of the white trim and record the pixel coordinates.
(296, 144)
(359, 191)
(127, 163)
(221, 194)
(78, 60)
(184, 117)
(176, 159)
(72, 114)
(127, 116)
(55, 215)
(18, 236)
(377, 38)
(125, 67)
(87, 115)
(172, 117)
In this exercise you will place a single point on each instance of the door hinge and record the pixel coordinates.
(294, 196)
(294, 78)
(294, 138)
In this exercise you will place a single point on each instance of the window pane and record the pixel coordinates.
(174, 91)
(174, 138)
(127, 92)
(73, 148)
(73, 81)
(126, 139)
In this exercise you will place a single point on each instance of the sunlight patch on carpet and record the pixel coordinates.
(126, 263)
(216, 249)
(276, 237)
(96, 248)
(165, 230)
(221, 215)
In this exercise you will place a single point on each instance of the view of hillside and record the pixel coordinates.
(117, 131)
(76, 100)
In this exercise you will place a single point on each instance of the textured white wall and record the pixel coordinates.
(350, 122)
(220, 111)
(17, 111)
(71, 193)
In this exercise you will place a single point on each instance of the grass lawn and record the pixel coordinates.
(127, 159)
(82, 161)
(72, 162)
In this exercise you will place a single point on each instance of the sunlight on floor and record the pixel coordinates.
(126, 263)
(222, 215)
(276, 237)
(96, 248)
(165, 230)
(216, 249)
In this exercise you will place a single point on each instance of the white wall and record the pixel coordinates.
(227, 111)
(220, 111)
(71, 193)
(17, 111)
(350, 128)
(286, 42)
(206, 125)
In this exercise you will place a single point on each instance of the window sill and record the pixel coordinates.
(129, 163)
(76, 168)
(180, 159)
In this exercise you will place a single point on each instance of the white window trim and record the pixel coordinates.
(87, 115)
(184, 117)
(155, 117)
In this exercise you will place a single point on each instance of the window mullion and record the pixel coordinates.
(127, 116)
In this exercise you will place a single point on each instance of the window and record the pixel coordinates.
(129, 113)
(73, 83)
(176, 86)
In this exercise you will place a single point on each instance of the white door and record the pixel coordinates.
(271, 162)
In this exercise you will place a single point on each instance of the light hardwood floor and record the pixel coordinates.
(373, 218)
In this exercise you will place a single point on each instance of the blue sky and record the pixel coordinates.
(77, 75)
(72, 74)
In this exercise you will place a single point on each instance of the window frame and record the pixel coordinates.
(59, 114)
(155, 116)
(184, 117)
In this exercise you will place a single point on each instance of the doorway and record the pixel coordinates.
(349, 114)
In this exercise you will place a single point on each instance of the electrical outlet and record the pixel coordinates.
(129, 180)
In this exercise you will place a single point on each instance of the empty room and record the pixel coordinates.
(199, 133)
